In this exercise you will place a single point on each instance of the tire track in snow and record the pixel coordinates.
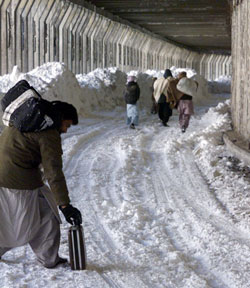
(92, 145)
(191, 228)
(202, 223)
(139, 154)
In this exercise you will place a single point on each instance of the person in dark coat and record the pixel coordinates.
(28, 207)
(160, 94)
(131, 95)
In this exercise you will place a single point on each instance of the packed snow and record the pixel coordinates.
(160, 208)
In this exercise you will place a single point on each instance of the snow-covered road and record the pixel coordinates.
(150, 217)
(161, 209)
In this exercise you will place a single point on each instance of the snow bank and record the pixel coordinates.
(101, 89)
(220, 85)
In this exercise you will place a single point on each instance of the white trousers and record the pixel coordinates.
(27, 218)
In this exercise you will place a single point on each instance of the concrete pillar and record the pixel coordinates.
(39, 30)
(129, 43)
(44, 32)
(72, 21)
(121, 36)
(27, 36)
(67, 36)
(32, 34)
(50, 20)
(79, 43)
(86, 41)
(108, 45)
(213, 68)
(63, 39)
(89, 45)
(19, 24)
(135, 44)
(124, 49)
(115, 39)
(142, 42)
(6, 31)
(116, 43)
(93, 58)
(98, 30)
(75, 41)
(55, 30)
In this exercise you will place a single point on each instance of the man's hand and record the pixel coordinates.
(71, 214)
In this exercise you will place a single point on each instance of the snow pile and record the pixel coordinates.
(215, 163)
(101, 89)
(220, 85)
(52, 80)
(104, 88)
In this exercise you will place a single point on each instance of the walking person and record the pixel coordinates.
(131, 95)
(28, 207)
(165, 104)
(185, 105)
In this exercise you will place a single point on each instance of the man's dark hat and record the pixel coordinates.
(68, 111)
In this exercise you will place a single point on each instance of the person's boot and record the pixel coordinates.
(132, 126)
(165, 124)
(183, 129)
(60, 261)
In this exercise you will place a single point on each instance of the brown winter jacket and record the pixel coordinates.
(20, 157)
(173, 95)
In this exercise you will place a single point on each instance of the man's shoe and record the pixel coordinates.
(132, 126)
(165, 124)
(60, 261)
(183, 129)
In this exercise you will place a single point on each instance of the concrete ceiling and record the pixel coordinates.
(202, 25)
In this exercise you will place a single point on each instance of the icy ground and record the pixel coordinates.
(160, 208)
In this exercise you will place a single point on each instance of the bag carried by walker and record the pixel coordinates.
(187, 86)
(77, 251)
(25, 109)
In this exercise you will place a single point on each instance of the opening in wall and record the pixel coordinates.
(34, 36)
(8, 29)
(80, 47)
(72, 47)
(120, 53)
(54, 41)
(45, 37)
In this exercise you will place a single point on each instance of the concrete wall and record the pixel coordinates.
(240, 106)
(33, 32)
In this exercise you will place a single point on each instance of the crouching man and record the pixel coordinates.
(28, 208)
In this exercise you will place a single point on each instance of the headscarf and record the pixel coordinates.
(131, 79)
(167, 73)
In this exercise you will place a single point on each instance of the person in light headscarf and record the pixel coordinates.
(185, 105)
(165, 104)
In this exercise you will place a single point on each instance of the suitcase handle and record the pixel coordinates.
(74, 223)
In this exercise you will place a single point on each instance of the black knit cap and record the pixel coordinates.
(68, 111)
(167, 73)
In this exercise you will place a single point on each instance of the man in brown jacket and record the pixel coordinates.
(28, 208)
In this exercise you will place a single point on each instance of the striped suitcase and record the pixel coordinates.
(77, 252)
